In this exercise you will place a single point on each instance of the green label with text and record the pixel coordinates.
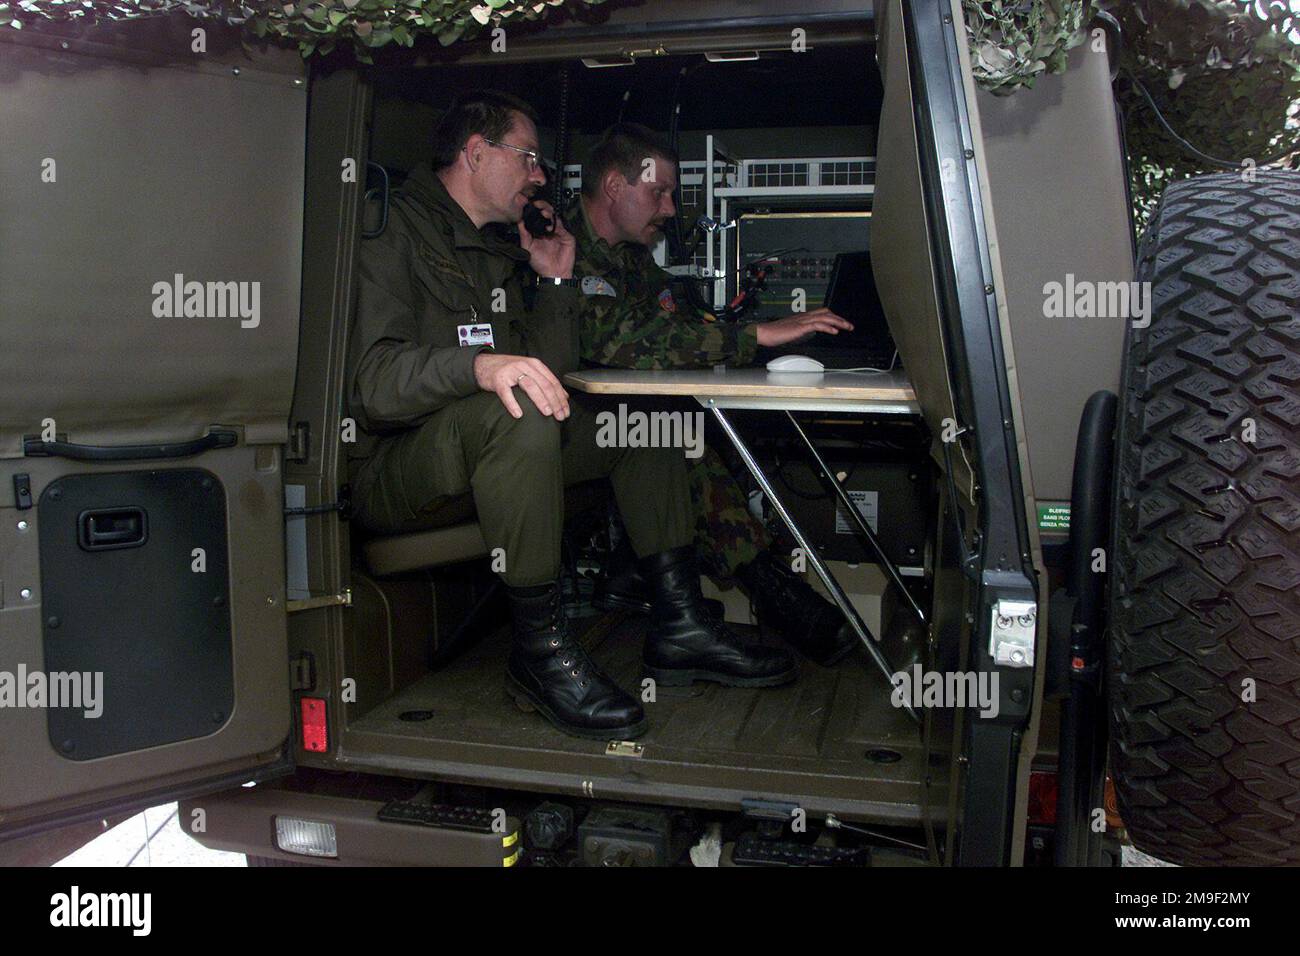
(1053, 517)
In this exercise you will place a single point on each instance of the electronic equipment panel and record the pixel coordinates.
(801, 247)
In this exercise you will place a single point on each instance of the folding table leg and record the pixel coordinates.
(841, 599)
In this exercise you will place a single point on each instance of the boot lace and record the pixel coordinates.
(572, 656)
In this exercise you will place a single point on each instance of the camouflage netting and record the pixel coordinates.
(1225, 74)
(314, 25)
(1012, 43)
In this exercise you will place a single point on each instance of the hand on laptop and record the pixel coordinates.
(800, 325)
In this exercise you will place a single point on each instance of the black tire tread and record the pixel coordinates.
(1206, 570)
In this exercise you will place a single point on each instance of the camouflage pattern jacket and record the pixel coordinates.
(629, 318)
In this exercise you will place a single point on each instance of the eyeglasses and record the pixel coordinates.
(531, 158)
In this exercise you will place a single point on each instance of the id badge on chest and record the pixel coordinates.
(479, 333)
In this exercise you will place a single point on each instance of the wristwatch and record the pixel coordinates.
(572, 282)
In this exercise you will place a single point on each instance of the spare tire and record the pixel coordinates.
(1204, 644)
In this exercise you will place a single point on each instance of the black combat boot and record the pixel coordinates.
(623, 588)
(549, 671)
(811, 624)
(626, 590)
(686, 644)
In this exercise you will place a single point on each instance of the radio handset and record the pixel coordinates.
(536, 223)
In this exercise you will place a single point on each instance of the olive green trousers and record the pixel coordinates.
(472, 457)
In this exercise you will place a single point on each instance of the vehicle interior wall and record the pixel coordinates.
(900, 244)
(1056, 177)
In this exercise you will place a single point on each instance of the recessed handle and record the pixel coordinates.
(108, 528)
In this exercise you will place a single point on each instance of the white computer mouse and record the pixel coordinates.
(795, 363)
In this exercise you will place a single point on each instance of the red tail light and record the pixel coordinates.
(1042, 797)
(1111, 803)
(313, 725)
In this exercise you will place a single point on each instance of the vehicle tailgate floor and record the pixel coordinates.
(831, 741)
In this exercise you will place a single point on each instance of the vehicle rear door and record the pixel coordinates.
(151, 183)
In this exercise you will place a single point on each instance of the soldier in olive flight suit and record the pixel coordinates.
(454, 384)
(630, 319)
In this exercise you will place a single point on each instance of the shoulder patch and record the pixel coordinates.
(595, 285)
(666, 301)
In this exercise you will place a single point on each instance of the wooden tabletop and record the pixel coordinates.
(747, 383)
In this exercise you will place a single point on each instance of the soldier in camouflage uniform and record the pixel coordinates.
(639, 326)
(630, 319)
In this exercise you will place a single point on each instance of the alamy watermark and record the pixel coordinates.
(179, 299)
(74, 908)
(1084, 299)
(922, 688)
(57, 689)
(638, 429)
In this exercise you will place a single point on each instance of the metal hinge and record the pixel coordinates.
(1011, 638)
(22, 492)
(760, 809)
(299, 442)
(343, 506)
(623, 748)
(320, 600)
(302, 672)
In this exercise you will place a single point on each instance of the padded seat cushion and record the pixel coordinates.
(451, 544)
(393, 554)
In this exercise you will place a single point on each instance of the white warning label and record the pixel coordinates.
(867, 505)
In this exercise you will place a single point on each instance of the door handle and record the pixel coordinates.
(34, 447)
(108, 528)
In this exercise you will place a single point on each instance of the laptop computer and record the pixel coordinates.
(851, 294)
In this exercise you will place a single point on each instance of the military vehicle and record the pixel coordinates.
(1103, 468)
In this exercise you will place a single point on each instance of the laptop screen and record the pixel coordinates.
(852, 295)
